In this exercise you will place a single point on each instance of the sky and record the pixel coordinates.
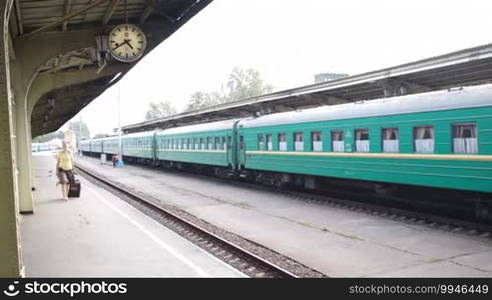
(288, 42)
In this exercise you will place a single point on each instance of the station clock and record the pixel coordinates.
(127, 42)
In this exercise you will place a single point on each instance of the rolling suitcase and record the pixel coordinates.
(74, 190)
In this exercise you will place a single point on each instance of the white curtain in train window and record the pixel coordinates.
(260, 142)
(465, 138)
(362, 140)
(391, 140)
(298, 141)
(269, 142)
(282, 142)
(338, 144)
(424, 139)
(317, 142)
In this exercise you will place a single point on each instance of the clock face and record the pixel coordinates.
(127, 42)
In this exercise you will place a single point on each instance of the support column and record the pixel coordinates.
(10, 262)
(24, 154)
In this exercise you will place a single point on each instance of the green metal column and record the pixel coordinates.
(10, 262)
(23, 151)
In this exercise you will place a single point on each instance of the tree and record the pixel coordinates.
(246, 84)
(201, 100)
(159, 110)
(80, 129)
(242, 84)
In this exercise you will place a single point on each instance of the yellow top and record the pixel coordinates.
(65, 160)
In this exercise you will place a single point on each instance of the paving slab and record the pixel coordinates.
(99, 235)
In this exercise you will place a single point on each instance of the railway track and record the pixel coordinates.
(248, 257)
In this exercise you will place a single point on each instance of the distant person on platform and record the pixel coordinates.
(64, 169)
(115, 160)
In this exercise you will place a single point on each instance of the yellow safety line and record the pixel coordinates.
(380, 155)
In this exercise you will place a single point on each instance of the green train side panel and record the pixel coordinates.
(454, 174)
(111, 146)
(465, 175)
(214, 157)
(194, 156)
(130, 148)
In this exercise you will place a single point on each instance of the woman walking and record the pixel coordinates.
(64, 169)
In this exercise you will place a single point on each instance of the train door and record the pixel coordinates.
(154, 147)
(237, 153)
(349, 140)
(229, 151)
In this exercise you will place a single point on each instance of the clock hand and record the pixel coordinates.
(117, 46)
(128, 42)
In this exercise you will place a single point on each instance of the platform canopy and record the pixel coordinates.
(461, 68)
(41, 20)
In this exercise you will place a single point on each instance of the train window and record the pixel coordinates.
(317, 142)
(202, 144)
(241, 142)
(337, 142)
(224, 143)
(465, 138)
(229, 140)
(196, 142)
(423, 137)
(269, 141)
(209, 143)
(362, 140)
(282, 142)
(298, 141)
(391, 139)
(217, 143)
(260, 142)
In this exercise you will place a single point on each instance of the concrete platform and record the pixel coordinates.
(99, 235)
(336, 241)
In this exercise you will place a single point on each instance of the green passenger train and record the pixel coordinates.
(439, 139)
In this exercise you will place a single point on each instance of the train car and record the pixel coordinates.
(139, 146)
(97, 146)
(85, 146)
(440, 139)
(111, 145)
(209, 144)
